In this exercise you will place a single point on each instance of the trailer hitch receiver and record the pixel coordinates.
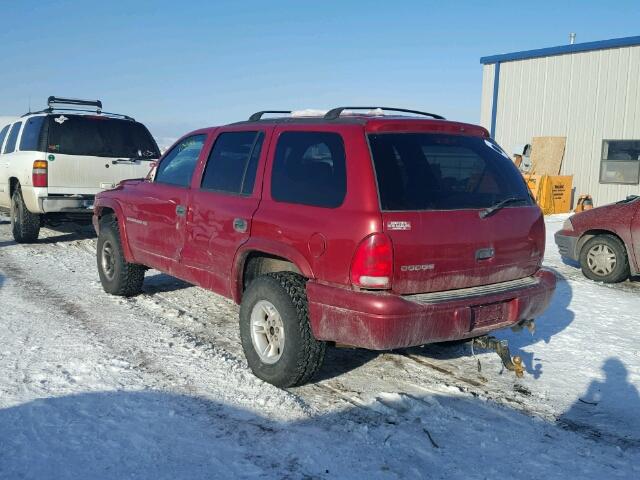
(501, 347)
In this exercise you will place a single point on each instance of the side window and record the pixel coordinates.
(30, 140)
(13, 137)
(3, 135)
(232, 163)
(309, 168)
(176, 168)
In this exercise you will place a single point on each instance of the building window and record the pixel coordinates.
(620, 162)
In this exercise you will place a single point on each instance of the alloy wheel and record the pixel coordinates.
(267, 332)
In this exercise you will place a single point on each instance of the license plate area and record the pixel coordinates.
(489, 315)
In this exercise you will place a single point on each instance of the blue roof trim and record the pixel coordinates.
(563, 49)
(494, 102)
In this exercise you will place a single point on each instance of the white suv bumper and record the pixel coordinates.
(66, 204)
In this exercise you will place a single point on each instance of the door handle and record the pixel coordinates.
(485, 254)
(240, 225)
(181, 210)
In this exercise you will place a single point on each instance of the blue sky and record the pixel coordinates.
(182, 65)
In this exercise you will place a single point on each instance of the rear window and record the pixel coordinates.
(30, 140)
(421, 171)
(100, 137)
(309, 169)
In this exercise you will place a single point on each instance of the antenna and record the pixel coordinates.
(572, 38)
(29, 103)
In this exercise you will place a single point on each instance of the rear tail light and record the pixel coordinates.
(372, 264)
(39, 175)
(537, 237)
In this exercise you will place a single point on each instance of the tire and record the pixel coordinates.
(603, 258)
(25, 225)
(300, 355)
(118, 277)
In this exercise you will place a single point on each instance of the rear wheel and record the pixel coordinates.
(25, 225)
(275, 331)
(604, 259)
(118, 277)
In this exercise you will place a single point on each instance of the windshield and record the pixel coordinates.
(424, 171)
(100, 137)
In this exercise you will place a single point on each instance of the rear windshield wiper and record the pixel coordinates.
(125, 160)
(128, 160)
(131, 160)
(494, 208)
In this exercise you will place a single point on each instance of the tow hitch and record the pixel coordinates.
(501, 347)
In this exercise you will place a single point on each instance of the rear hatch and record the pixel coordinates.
(433, 189)
(90, 153)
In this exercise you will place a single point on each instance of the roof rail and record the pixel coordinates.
(51, 101)
(334, 113)
(51, 110)
(258, 115)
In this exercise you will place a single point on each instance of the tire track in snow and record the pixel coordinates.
(150, 356)
(441, 374)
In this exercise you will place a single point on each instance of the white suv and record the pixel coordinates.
(53, 162)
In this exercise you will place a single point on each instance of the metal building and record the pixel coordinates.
(587, 92)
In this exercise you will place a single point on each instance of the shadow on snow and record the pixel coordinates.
(605, 404)
(155, 435)
(161, 282)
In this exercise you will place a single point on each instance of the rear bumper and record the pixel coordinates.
(567, 245)
(67, 204)
(384, 321)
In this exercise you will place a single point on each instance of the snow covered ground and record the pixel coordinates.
(94, 386)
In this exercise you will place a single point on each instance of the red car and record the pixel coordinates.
(605, 241)
(369, 230)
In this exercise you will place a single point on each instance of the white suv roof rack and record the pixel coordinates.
(53, 101)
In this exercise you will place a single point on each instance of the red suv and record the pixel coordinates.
(369, 230)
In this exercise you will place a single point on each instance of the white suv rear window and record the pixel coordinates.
(99, 137)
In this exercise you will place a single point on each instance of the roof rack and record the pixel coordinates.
(258, 115)
(51, 101)
(334, 113)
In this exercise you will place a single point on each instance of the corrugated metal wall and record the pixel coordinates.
(587, 97)
(487, 95)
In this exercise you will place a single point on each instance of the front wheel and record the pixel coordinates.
(604, 259)
(118, 277)
(25, 226)
(275, 331)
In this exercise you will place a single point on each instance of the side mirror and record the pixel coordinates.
(152, 171)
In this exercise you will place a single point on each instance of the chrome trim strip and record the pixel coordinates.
(448, 295)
